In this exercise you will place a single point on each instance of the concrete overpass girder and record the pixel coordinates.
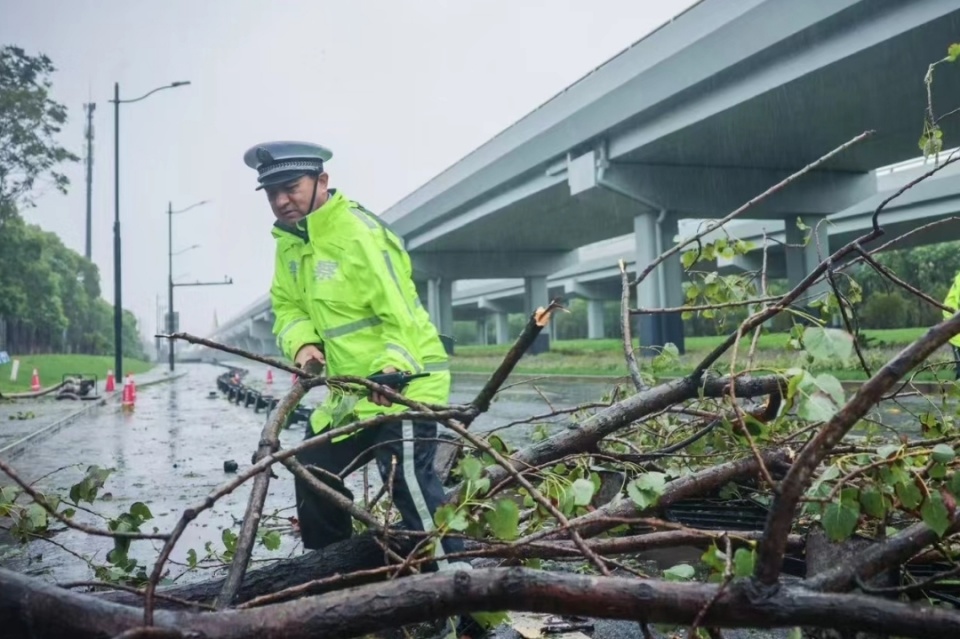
(478, 265)
(712, 191)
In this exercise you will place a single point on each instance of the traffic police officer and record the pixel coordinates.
(343, 296)
(952, 301)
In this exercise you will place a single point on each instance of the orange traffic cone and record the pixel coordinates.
(128, 397)
(269, 376)
(35, 381)
(133, 387)
(111, 382)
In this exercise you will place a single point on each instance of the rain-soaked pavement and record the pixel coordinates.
(170, 450)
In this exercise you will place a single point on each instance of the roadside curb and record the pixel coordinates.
(15, 449)
(925, 387)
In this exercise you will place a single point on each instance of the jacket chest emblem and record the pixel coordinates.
(326, 269)
(292, 265)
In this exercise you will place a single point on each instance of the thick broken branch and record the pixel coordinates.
(607, 421)
(538, 320)
(25, 605)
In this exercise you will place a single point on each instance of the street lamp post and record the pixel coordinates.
(170, 322)
(117, 296)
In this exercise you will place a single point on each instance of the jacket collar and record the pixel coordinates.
(301, 228)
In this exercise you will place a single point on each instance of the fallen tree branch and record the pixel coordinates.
(879, 557)
(605, 422)
(25, 605)
(90, 530)
(538, 320)
(783, 508)
(258, 495)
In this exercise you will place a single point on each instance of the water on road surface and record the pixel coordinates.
(169, 453)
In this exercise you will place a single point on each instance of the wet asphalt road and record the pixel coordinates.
(169, 453)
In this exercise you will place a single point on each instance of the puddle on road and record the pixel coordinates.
(169, 454)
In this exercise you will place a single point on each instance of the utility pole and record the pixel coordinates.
(171, 328)
(172, 323)
(89, 107)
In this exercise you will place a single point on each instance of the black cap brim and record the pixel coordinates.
(283, 178)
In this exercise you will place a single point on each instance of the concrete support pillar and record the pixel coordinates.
(440, 304)
(440, 308)
(482, 332)
(663, 287)
(803, 255)
(502, 326)
(537, 295)
(595, 319)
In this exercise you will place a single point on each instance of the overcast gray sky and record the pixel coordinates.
(399, 90)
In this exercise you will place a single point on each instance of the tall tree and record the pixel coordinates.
(29, 120)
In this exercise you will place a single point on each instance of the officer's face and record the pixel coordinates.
(291, 201)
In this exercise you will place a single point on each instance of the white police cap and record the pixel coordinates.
(282, 161)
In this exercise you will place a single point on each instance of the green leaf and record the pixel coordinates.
(646, 489)
(470, 468)
(582, 492)
(743, 562)
(828, 343)
(490, 619)
(934, 514)
(820, 396)
(942, 454)
(271, 540)
(140, 510)
(910, 496)
(840, 519)
(504, 519)
(953, 52)
(953, 484)
(192, 558)
(680, 572)
(873, 502)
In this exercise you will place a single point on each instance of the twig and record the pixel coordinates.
(727, 577)
(909, 185)
(534, 493)
(703, 307)
(135, 591)
(90, 530)
(883, 270)
(538, 320)
(258, 496)
(625, 331)
(269, 361)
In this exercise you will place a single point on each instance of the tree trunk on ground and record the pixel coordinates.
(822, 555)
(361, 552)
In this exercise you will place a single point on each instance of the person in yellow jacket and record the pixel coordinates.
(952, 301)
(344, 297)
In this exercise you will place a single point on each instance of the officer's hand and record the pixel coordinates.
(376, 397)
(308, 352)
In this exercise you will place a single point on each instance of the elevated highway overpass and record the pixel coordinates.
(689, 122)
(596, 277)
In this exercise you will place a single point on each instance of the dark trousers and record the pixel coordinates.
(417, 491)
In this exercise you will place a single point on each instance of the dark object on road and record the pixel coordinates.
(76, 386)
(567, 624)
(230, 466)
